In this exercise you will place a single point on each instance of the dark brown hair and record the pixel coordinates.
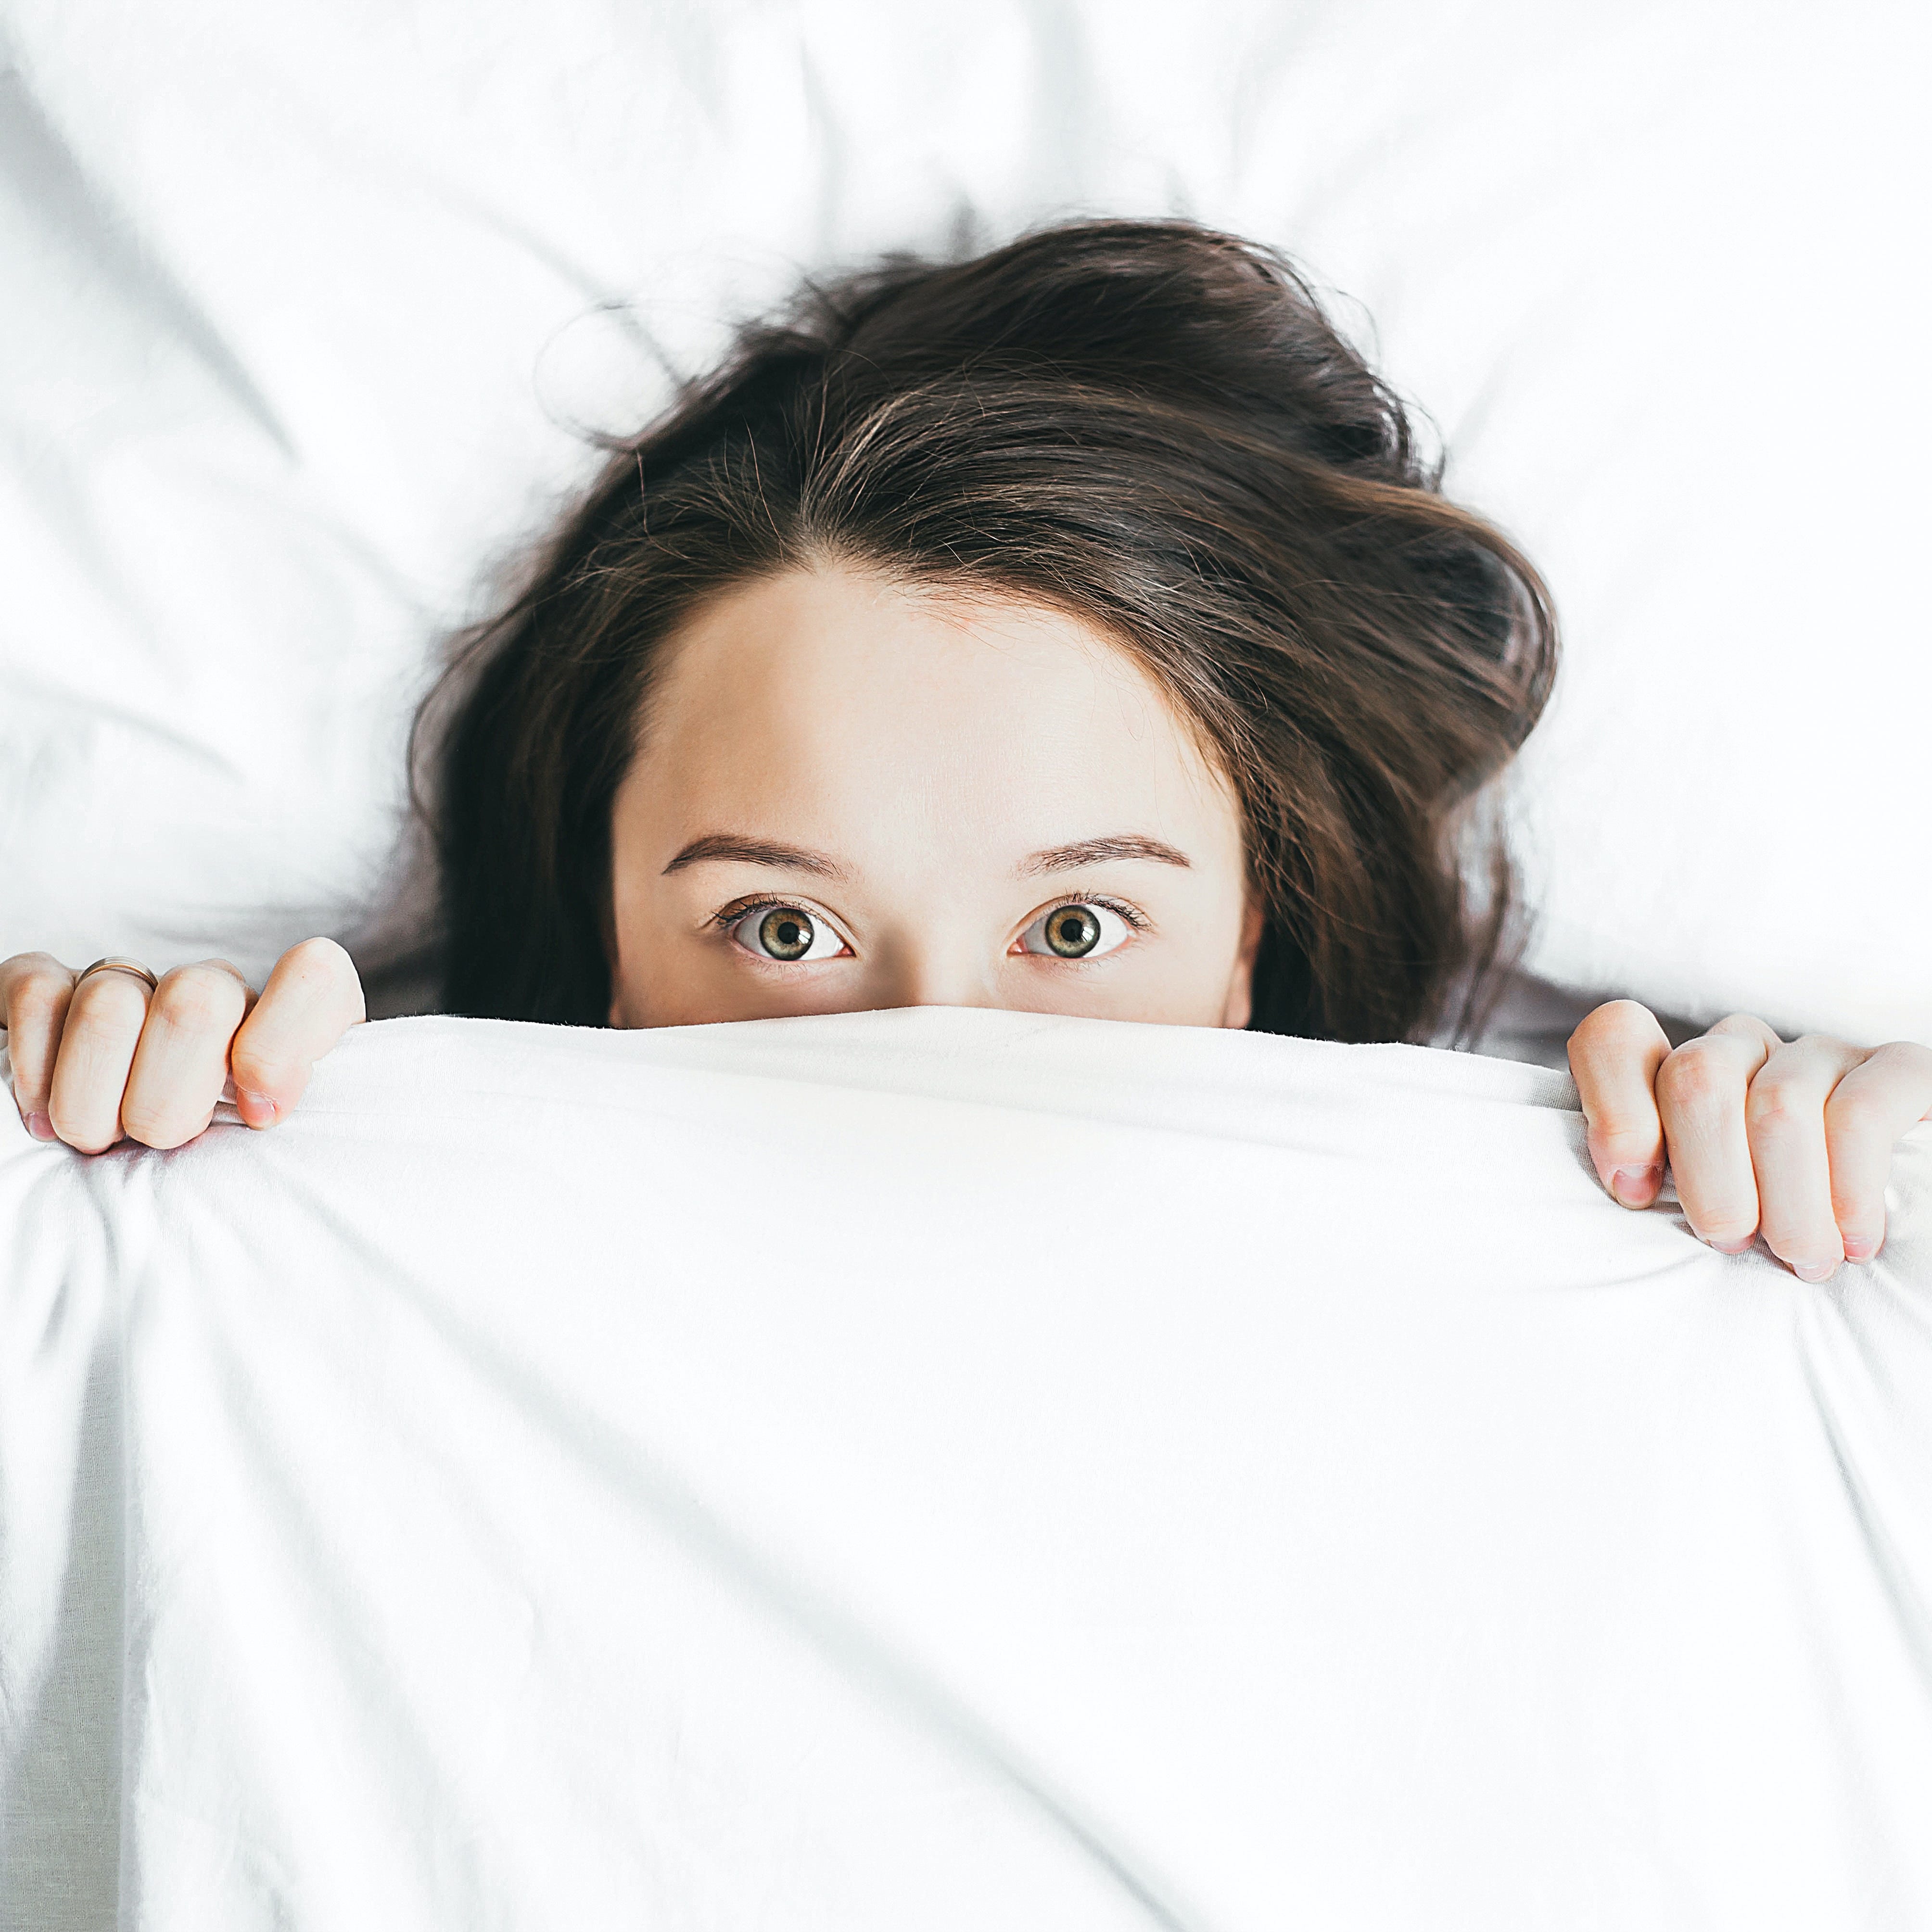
(1147, 424)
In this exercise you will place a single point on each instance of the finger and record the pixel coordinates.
(182, 1057)
(1784, 1118)
(1614, 1056)
(104, 1017)
(34, 989)
(312, 998)
(1700, 1092)
(1888, 1093)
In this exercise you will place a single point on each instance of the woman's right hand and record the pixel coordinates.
(107, 1058)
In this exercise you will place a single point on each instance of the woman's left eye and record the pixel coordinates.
(788, 933)
(1083, 930)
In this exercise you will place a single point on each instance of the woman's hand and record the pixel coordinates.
(1792, 1139)
(107, 1057)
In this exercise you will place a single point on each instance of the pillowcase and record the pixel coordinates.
(311, 307)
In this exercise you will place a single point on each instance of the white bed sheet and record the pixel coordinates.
(947, 1467)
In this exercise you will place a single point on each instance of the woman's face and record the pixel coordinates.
(851, 795)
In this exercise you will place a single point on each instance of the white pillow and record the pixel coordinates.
(305, 305)
(947, 1468)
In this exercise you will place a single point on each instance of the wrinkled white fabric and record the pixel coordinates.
(949, 1468)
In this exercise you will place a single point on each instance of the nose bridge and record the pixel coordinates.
(935, 965)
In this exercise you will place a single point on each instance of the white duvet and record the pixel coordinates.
(947, 1468)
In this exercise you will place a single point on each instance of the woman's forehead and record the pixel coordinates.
(839, 662)
(843, 712)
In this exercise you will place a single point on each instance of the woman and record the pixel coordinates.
(1076, 629)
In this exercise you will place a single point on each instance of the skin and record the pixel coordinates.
(931, 752)
(901, 780)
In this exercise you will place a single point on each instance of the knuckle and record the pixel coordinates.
(45, 975)
(1857, 1113)
(317, 962)
(198, 999)
(109, 1003)
(1907, 1055)
(1613, 1020)
(1694, 1077)
(1774, 1105)
(37, 1000)
(19, 968)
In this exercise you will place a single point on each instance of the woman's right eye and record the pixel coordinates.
(787, 933)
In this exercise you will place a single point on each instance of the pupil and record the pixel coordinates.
(788, 933)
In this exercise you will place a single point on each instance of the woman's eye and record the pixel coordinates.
(1082, 931)
(785, 932)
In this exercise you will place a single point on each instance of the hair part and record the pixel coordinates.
(1150, 426)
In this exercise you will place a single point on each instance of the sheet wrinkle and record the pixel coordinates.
(75, 209)
(1069, 122)
(666, 1110)
(531, 243)
(91, 716)
(377, 1699)
(883, 1068)
(62, 1558)
(372, 1265)
(830, 151)
(62, 506)
(1910, 1609)
(627, 1465)
(60, 1853)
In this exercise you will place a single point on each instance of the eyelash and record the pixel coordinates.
(1132, 915)
(727, 917)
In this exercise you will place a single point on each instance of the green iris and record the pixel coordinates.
(785, 933)
(1072, 931)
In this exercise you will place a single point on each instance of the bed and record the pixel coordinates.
(565, 1477)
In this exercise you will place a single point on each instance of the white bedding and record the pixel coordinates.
(947, 1468)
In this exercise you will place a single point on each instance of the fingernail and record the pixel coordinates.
(1859, 1248)
(1634, 1186)
(40, 1127)
(1814, 1270)
(1729, 1247)
(249, 1102)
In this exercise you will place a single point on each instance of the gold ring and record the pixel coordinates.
(112, 964)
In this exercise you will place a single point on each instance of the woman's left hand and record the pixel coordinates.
(1790, 1139)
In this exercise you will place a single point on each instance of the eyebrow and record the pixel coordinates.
(1097, 852)
(732, 849)
(728, 846)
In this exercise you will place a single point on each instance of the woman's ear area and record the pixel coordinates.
(1240, 1002)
